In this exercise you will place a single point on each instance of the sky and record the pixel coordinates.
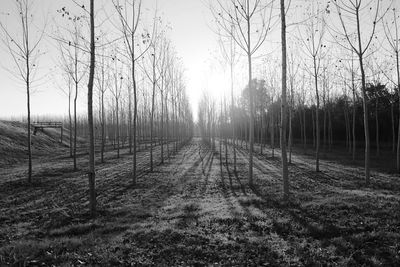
(191, 34)
(195, 43)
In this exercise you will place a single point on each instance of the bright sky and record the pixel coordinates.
(195, 43)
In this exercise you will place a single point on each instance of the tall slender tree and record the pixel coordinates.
(129, 14)
(285, 173)
(25, 52)
(91, 173)
(351, 14)
(252, 21)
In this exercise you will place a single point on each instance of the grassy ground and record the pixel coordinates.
(13, 143)
(195, 210)
(385, 161)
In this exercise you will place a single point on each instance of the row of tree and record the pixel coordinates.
(334, 58)
(135, 84)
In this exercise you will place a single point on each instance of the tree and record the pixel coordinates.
(293, 69)
(391, 29)
(244, 14)
(116, 91)
(25, 53)
(313, 44)
(285, 174)
(230, 56)
(353, 12)
(91, 173)
(165, 81)
(155, 57)
(102, 79)
(71, 60)
(130, 20)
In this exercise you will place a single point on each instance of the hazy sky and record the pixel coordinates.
(194, 42)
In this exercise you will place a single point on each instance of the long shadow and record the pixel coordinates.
(206, 170)
(319, 228)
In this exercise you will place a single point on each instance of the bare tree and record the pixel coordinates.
(91, 173)
(293, 70)
(313, 45)
(392, 33)
(116, 91)
(72, 63)
(102, 79)
(353, 12)
(285, 173)
(244, 14)
(129, 14)
(230, 56)
(25, 52)
(155, 59)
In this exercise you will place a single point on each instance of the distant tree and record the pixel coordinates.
(314, 48)
(25, 52)
(102, 80)
(293, 69)
(155, 59)
(228, 49)
(116, 92)
(72, 62)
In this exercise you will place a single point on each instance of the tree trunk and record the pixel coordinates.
(225, 135)
(301, 125)
(75, 120)
(346, 123)
(233, 120)
(377, 126)
(330, 131)
(316, 117)
(103, 127)
(290, 121)
(91, 174)
(313, 126)
(285, 174)
(130, 118)
(354, 119)
(134, 114)
(393, 127)
(325, 128)
(304, 129)
(28, 103)
(117, 122)
(162, 122)
(365, 103)
(398, 133)
(70, 123)
(251, 127)
(366, 127)
(272, 132)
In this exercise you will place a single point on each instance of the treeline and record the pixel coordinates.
(336, 119)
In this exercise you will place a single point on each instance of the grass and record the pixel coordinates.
(195, 211)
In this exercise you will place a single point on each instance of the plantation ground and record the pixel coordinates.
(194, 210)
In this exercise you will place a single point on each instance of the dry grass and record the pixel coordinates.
(194, 210)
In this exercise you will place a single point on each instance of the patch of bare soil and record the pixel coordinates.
(195, 210)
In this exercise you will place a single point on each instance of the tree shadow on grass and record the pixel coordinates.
(349, 241)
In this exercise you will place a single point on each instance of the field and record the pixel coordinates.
(195, 210)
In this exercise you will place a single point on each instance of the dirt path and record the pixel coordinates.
(195, 210)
